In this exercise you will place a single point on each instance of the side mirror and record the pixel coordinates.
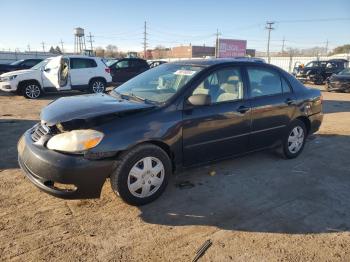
(199, 100)
(47, 70)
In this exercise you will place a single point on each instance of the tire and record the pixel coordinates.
(31, 90)
(134, 182)
(97, 85)
(294, 130)
(318, 80)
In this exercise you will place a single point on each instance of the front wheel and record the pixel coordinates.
(97, 86)
(142, 174)
(31, 90)
(294, 140)
(318, 80)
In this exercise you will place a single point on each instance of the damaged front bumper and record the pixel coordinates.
(62, 175)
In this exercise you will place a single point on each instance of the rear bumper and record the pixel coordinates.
(315, 122)
(46, 168)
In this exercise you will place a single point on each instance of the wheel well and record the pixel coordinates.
(98, 77)
(22, 83)
(306, 122)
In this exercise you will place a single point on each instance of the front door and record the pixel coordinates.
(122, 71)
(273, 105)
(222, 128)
(50, 74)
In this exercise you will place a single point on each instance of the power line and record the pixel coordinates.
(145, 40)
(90, 40)
(269, 28)
(43, 45)
(314, 20)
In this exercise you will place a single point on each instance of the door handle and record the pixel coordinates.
(242, 109)
(289, 101)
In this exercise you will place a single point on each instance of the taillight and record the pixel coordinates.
(108, 70)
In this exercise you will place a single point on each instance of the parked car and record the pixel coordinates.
(318, 71)
(126, 68)
(60, 73)
(147, 128)
(19, 65)
(155, 63)
(340, 81)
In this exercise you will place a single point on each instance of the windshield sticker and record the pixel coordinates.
(184, 72)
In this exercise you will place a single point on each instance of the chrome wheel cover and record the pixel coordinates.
(296, 139)
(33, 91)
(146, 177)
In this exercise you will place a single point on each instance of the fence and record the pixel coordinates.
(8, 57)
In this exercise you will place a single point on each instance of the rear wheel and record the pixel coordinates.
(31, 90)
(294, 140)
(142, 174)
(318, 80)
(97, 86)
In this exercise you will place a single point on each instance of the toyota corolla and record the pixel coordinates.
(171, 117)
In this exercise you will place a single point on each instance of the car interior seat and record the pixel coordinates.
(231, 90)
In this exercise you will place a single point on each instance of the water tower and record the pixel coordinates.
(79, 40)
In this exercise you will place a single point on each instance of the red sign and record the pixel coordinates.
(232, 48)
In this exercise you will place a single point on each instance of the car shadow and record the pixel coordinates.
(10, 132)
(262, 193)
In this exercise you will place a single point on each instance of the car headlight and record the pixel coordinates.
(9, 78)
(75, 141)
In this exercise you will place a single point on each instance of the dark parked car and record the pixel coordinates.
(124, 69)
(19, 65)
(172, 116)
(319, 71)
(340, 81)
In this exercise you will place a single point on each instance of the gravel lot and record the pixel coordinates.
(255, 208)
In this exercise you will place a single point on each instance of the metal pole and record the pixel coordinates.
(145, 41)
(269, 28)
(217, 43)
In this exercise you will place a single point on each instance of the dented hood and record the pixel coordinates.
(87, 106)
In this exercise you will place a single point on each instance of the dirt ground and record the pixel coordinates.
(255, 208)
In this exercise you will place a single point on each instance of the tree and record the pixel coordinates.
(52, 50)
(58, 50)
(343, 49)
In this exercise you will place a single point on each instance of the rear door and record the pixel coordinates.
(222, 128)
(81, 71)
(273, 105)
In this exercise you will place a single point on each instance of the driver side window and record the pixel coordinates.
(222, 85)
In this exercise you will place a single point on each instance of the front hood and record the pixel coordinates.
(18, 72)
(87, 106)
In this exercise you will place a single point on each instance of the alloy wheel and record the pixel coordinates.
(32, 91)
(98, 87)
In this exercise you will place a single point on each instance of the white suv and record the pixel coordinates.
(60, 73)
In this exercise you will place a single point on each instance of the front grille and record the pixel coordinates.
(39, 131)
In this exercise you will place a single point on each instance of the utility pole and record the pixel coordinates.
(217, 43)
(145, 41)
(269, 28)
(43, 45)
(61, 42)
(327, 47)
(90, 40)
(28, 46)
(283, 40)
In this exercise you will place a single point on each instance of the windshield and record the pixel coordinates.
(17, 62)
(41, 64)
(345, 71)
(160, 83)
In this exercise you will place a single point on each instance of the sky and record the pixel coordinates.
(303, 24)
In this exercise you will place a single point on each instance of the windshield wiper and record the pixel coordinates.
(134, 97)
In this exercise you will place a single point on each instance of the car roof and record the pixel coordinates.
(217, 61)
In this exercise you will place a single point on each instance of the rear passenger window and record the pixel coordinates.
(264, 82)
(285, 86)
(78, 63)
